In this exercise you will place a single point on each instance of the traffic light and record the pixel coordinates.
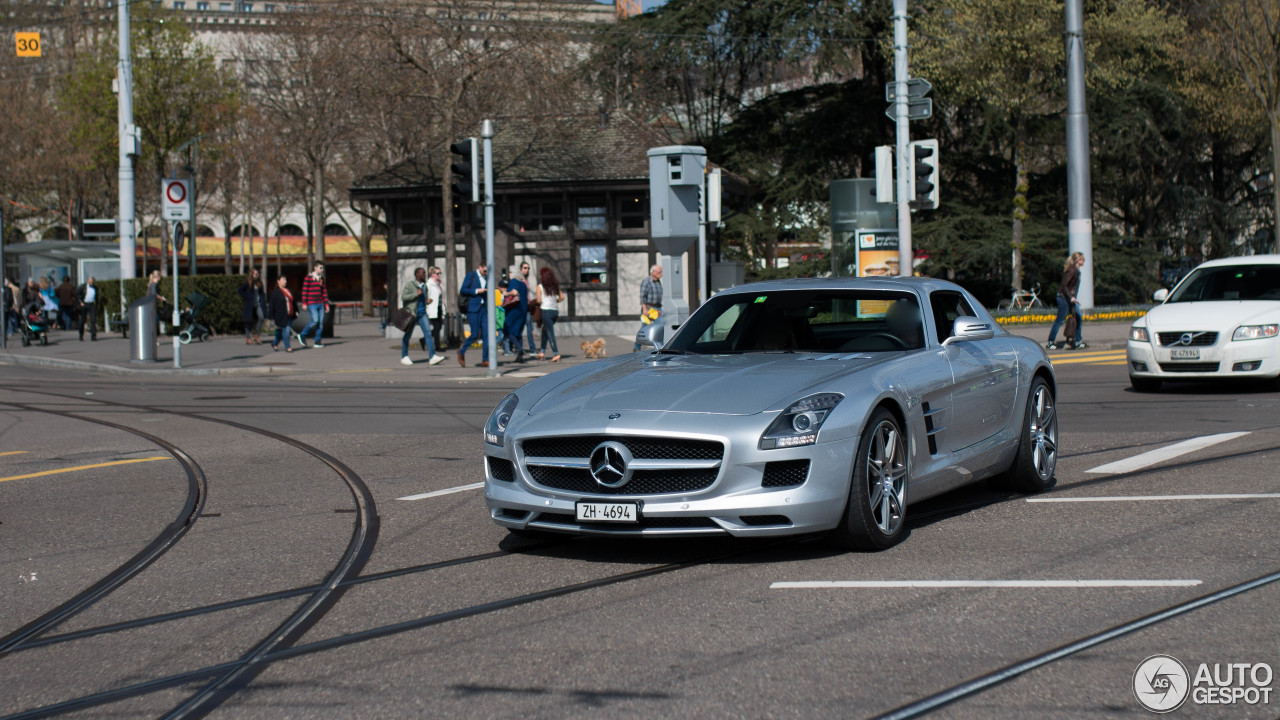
(924, 175)
(466, 170)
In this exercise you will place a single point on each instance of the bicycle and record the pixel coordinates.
(1023, 300)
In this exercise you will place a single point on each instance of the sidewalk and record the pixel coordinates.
(359, 347)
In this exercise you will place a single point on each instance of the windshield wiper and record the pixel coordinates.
(672, 351)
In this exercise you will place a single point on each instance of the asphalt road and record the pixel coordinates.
(423, 608)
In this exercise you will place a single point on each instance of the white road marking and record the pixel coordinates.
(1146, 459)
(1138, 498)
(446, 491)
(881, 584)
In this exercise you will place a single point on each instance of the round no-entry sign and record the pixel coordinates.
(174, 193)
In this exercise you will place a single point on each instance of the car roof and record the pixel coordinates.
(900, 284)
(1243, 260)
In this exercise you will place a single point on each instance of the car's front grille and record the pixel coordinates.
(1198, 339)
(641, 447)
(643, 482)
(645, 523)
(658, 465)
(1205, 367)
(785, 473)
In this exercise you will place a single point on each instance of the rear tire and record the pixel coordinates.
(1144, 384)
(1037, 459)
(185, 337)
(874, 516)
(26, 341)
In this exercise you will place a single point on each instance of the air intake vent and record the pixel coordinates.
(786, 473)
(501, 469)
(762, 520)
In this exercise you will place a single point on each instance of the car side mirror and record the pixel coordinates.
(1160, 295)
(967, 329)
(650, 336)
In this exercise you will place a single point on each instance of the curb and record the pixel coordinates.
(118, 370)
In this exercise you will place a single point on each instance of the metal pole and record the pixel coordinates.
(177, 316)
(701, 297)
(1079, 202)
(900, 109)
(127, 139)
(486, 132)
(192, 251)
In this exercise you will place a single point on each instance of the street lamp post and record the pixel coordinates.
(192, 169)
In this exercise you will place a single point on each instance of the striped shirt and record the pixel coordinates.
(651, 292)
(314, 292)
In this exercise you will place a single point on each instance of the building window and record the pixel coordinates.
(593, 263)
(246, 6)
(633, 212)
(540, 216)
(202, 6)
(591, 217)
(179, 5)
(268, 7)
(224, 7)
(412, 219)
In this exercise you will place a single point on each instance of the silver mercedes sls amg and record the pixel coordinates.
(778, 408)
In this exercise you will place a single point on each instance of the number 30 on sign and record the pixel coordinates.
(28, 44)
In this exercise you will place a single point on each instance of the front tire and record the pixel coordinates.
(874, 516)
(1004, 305)
(184, 337)
(1037, 459)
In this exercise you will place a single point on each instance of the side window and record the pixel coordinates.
(947, 306)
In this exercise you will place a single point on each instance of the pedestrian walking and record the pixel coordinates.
(281, 309)
(650, 298)
(9, 304)
(315, 297)
(475, 290)
(251, 307)
(517, 315)
(67, 303)
(435, 304)
(534, 303)
(549, 298)
(1069, 305)
(87, 302)
(415, 298)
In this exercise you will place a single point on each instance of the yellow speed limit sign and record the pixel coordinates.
(28, 44)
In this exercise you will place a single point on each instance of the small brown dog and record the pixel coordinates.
(594, 349)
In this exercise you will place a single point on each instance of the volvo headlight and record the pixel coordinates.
(799, 423)
(496, 429)
(1139, 334)
(1256, 332)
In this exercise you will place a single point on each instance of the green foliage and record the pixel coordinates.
(222, 314)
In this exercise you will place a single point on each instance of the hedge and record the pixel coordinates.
(222, 314)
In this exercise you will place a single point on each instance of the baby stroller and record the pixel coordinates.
(33, 325)
(192, 329)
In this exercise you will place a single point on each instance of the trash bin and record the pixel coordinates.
(142, 330)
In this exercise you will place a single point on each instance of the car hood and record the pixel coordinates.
(718, 384)
(1220, 315)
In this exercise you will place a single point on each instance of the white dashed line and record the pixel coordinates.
(446, 491)
(1145, 498)
(883, 584)
(1137, 462)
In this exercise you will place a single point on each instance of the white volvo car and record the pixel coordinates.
(1222, 321)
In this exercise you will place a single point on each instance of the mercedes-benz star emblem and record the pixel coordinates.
(611, 464)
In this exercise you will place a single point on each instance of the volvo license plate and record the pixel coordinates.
(1185, 353)
(618, 512)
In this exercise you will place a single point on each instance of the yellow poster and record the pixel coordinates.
(877, 257)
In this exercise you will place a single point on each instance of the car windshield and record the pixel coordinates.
(1229, 282)
(822, 321)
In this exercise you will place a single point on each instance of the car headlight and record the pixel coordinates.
(799, 423)
(1256, 332)
(496, 429)
(1139, 334)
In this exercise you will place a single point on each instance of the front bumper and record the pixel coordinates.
(736, 503)
(1246, 359)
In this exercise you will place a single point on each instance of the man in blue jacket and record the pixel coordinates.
(475, 289)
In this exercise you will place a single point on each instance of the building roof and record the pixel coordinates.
(581, 148)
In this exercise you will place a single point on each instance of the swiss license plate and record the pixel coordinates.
(1185, 353)
(607, 512)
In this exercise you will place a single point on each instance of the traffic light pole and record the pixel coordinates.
(901, 120)
(486, 134)
(177, 313)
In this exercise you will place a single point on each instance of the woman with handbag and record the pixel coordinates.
(414, 299)
(549, 298)
(281, 308)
